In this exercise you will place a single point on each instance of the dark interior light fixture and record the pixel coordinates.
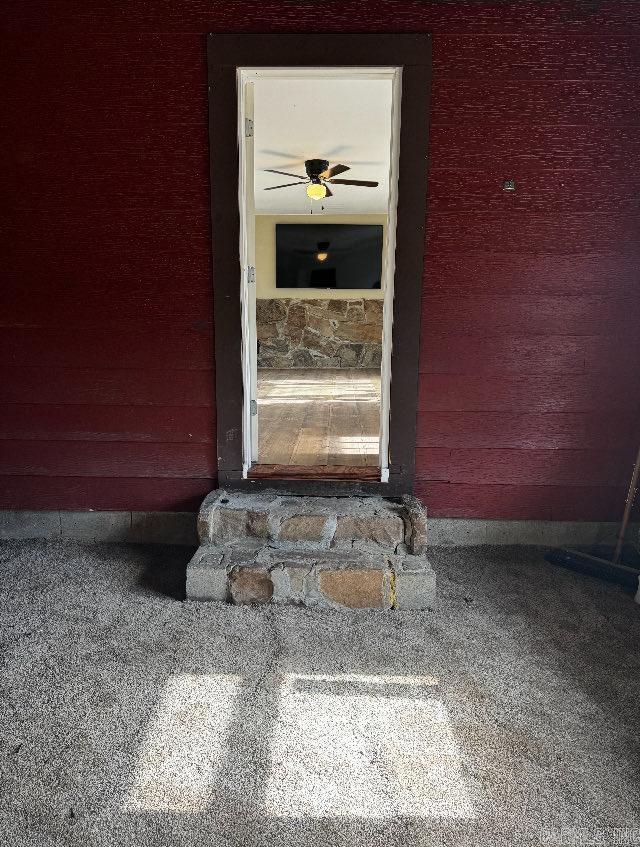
(323, 248)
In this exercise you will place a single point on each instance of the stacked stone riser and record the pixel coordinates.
(319, 333)
(329, 552)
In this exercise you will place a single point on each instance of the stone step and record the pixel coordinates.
(298, 522)
(325, 578)
(328, 552)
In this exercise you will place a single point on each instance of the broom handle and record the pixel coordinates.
(627, 508)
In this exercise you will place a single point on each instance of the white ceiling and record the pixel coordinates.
(344, 121)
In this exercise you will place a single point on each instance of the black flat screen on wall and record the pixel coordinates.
(328, 255)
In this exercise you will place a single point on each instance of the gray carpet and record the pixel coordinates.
(129, 717)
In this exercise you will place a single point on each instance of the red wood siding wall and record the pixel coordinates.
(529, 381)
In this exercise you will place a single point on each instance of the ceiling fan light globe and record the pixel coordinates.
(316, 190)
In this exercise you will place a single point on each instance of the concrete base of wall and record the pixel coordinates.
(180, 528)
(131, 527)
(463, 532)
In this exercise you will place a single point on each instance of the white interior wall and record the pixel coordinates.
(345, 121)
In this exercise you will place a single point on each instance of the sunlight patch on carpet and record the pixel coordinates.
(185, 744)
(364, 747)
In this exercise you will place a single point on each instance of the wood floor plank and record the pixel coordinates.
(319, 418)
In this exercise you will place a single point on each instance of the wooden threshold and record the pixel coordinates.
(356, 472)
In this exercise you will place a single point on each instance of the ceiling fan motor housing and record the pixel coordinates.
(314, 167)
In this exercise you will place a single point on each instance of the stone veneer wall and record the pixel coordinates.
(319, 333)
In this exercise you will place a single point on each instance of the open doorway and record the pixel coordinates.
(236, 63)
(318, 189)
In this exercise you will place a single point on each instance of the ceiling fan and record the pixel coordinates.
(318, 175)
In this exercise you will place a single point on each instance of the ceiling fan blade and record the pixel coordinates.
(282, 155)
(338, 150)
(334, 171)
(284, 173)
(365, 182)
(285, 185)
(329, 192)
(365, 162)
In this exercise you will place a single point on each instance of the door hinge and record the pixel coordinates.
(248, 128)
(253, 407)
(251, 275)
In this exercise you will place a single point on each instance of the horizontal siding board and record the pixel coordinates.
(100, 348)
(533, 393)
(537, 192)
(185, 313)
(119, 106)
(522, 502)
(153, 306)
(523, 467)
(155, 274)
(499, 274)
(540, 145)
(107, 133)
(447, 353)
(100, 459)
(525, 431)
(88, 232)
(197, 17)
(535, 58)
(133, 58)
(83, 181)
(589, 103)
(104, 493)
(536, 354)
(86, 386)
(480, 314)
(158, 228)
(521, 232)
(177, 424)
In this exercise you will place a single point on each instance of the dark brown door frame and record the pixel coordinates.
(228, 52)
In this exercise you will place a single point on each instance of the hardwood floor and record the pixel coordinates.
(318, 417)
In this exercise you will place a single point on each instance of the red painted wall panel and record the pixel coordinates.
(522, 502)
(481, 466)
(502, 392)
(531, 57)
(74, 422)
(502, 144)
(105, 493)
(109, 387)
(485, 273)
(531, 334)
(107, 458)
(485, 315)
(527, 430)
(101, 348)
(443, 352)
